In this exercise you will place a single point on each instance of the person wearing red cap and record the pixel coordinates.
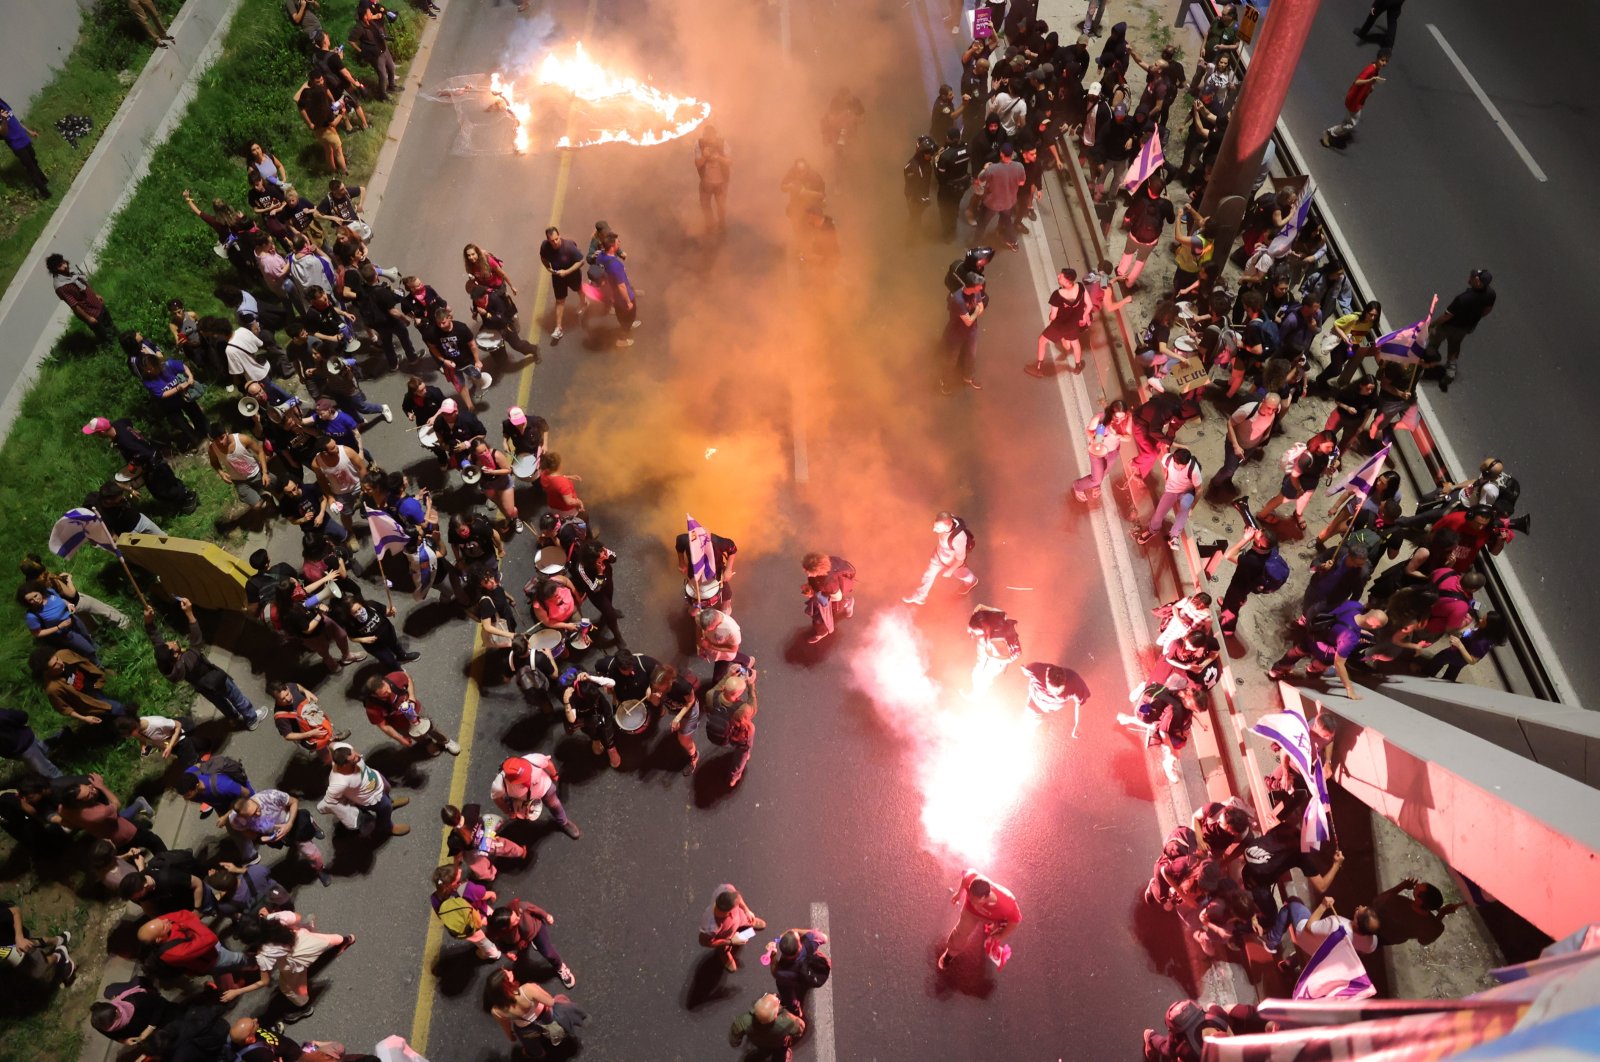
(524, 781)
(142, 456)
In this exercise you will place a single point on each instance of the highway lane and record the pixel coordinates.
(1431, 189)
(830, 812)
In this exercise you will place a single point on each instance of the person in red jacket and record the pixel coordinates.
(986, 906)
(184, 944)
(1338, 135)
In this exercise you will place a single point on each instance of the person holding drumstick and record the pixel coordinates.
(589, 708)
(677, 694)
(498, 484)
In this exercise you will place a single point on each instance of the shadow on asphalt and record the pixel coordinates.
(711, 779)
(968, 975)
(707, 983)
(1162, 936)
(456, 969)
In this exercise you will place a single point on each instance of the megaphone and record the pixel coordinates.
(248, 406)
(1242, 504)
(1522, 525)
(470, 473)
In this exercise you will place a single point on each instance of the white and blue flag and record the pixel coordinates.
(1292, 733)
(1335, 971)
(387, 537)
(78, 527)
(1284, 238)
(1362, 479)
(702, 559)
(1407, 345)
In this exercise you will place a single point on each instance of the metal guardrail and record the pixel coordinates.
(1421, 462)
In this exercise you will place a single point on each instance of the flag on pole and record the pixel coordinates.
(77, 527)
(1408, 344)
(1363, 478)
(702, 559)
(1292, 733)
(1151, 158)
(387, 537)
(1296, 222)
(1335, 971)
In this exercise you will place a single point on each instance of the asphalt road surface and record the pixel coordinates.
(1431, 189)
(818, 400)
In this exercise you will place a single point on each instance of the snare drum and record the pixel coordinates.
(548, 640)
(552, 560)
(490, 341)
(1186, 344)
(710, 590)
(526, 467)
(632, 716)
(361, 230)
(428, 436)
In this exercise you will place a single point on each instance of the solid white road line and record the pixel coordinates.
(819, 1010)
(1488, 105)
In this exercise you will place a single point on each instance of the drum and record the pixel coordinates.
(130, 476)
(710, 590)
(221, 249)
(581, 639)
(552, 560)
(632, 716)
(490, 341)
(1185, 345)
(1187, 312)
(361, 230)
(427, 436)
(526, 467)
(419, 728)
(548, 640)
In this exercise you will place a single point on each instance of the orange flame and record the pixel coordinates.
(664, 117)
(520, 111)
(972, 759)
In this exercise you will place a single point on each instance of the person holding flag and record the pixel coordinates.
(706, 560)
(1335, 945)
(1148, 214)
(1290, 731)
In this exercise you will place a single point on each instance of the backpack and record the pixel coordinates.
(1290, 457)
(460, 919)
(1505, 503)
(719, 721)
(960, 528)
(226, 766)
(1187, 1021)
(815, 970)
(1180, 842)
(1273, 574)
(1008, 631)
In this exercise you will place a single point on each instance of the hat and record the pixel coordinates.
(517, 769)
(1483, 275)
(96, 425)
(1094, 89)
(1008, 148)
(516, 416)
(447, 406)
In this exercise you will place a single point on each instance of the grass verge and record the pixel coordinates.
(156, 251)
(111, 50)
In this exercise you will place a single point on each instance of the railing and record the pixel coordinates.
(1423, 463)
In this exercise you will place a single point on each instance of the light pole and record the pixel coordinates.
(1255, 114)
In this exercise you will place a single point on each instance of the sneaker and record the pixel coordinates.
(316, 831)
(565, 973)
(388, 415)
(912, 600)
(299, 1014)
(254, 721)
(452, 747)
(689, 768)
(69, 970)
(636, 324)
(943, 961)
(570, 828)
(206, 811)
(624, 342)
(737, 777)
(1175, 543)
(66, 938)
(399, 830)
(399, 801)
(969, 588)
(324, 877)
(1035, 370)
(1325, 141)
(1013, 245)
(341, 735)
(555, 337)
(1143, 535)
(408, 657)
(1023, 228)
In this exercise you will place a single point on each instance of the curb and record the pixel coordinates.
(120, 160)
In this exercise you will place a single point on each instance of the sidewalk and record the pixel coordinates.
(31, 317)
(37, 41)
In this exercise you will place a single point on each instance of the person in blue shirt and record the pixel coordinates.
(54, 622)
(338, 424)
(1332, 639)
(618, 286)
(173, 386)
(206, 784)
(19, 138)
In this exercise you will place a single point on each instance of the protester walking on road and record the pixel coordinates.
(770, 1031)
(394, 707)
(949, 560)
(728, 924)
(273, 818)
(525, 781)
(1459, 320)
(1338, 135)
(358, 796)
(463, 908)
(987, 908)
(563, 259)
(285, 942)
(530, 1017)
(730, 710)
(1106, 433)
(1390, 10)
(998, 644)
(713, 163)
(1052, 687)
(618, 287)
(996, 190)
(798, 966)
(472, 839)
(965, 306)
(829, 591)
(522, 927)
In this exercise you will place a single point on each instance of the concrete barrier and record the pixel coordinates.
(31, 317)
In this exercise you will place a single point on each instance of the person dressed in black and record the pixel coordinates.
(589, 708)
(371, 629)
(592, 578)
(965, 308)
(476, 544)
(1390, 10)
(1461, 317)
(1252, 554)
(145, 460)
(918, 173)
(180, 663)
(952, 171)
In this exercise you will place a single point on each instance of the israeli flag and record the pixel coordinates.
(386, 534)
(1364, 477)
(1151, 158)
(1292, 733)
(702, 559)
(77, 527)
(1407, 345)
(1285, 237)
(1335, 971)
